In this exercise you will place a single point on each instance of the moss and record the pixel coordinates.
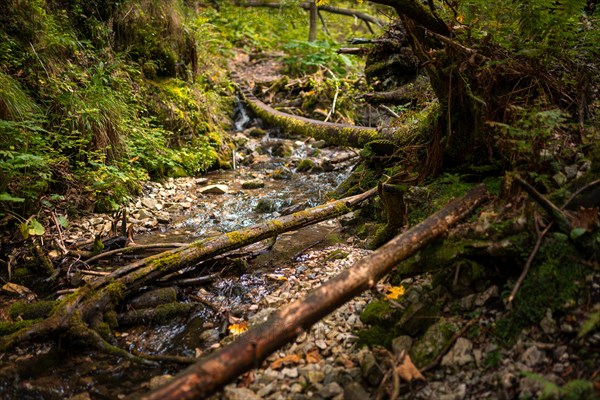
(305, 165)
(105, 331)
(552, 282)
(110, 318)
(235, 237)
(39, 309)
(6, 328)
(375, 336)
(377, 312)
(167, 261)
(166, 312)
(265, 205)
(116, 291)
(336, 255)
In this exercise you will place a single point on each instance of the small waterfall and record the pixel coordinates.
(240, 116)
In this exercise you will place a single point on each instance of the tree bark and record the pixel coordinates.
(212, 373)
(313, 12)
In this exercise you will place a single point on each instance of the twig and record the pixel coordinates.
(536, 248)
(390, 111)
(556, 213)
(578, 192)
(337, 92)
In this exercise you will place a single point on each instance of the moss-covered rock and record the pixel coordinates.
(435, 339)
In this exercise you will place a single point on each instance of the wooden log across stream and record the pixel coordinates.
(213, 372)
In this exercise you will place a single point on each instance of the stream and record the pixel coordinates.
(242, 283)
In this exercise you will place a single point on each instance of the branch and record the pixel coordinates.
(221, 367)
(331, 9)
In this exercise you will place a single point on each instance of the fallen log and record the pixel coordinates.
(332, 133)
(212, 373)
(82, 312)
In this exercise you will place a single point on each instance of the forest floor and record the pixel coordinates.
(330, 361)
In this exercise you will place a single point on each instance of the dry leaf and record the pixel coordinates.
(586, 218)
(18, 290)
(277, 277)
(285, 361)
(237, 329)
(395, 292)
(407, 370)
(247, 380)
(313, 356)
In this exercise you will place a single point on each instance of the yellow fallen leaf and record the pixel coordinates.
(460, 18)
(237, 329)
(408, 371)
(313, 356)
(277, 277)
(285, 361)
(395, 292)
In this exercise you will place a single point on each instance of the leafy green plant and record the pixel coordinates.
(305, 57)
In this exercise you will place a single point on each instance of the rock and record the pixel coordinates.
(560, 178)
(282, 174)
(331, 390)
(210, 335)
(163, 218)
(214, 189)
(354, 391)
(571, 171)
(233, 393)
(281, 150)
(265, 205)
(483, 298)
(402, 343)
(369, 367)
(460, 354)
(532, 357)
(467, 303)
(253, 184)
(149, 202)
(267, 390)
(290, 372)
(144, 214)
(296, 388)
(548, 324)
(429, 346)
(315, 376)
(240, 139)
(319, 144)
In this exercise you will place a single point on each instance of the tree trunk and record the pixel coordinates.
(312, 32)
(212, 373)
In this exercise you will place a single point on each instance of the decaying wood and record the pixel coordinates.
(79, 314)
(210, 374)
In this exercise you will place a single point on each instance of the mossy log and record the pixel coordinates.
(332, 133)
(81, 313)
(211, 373)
